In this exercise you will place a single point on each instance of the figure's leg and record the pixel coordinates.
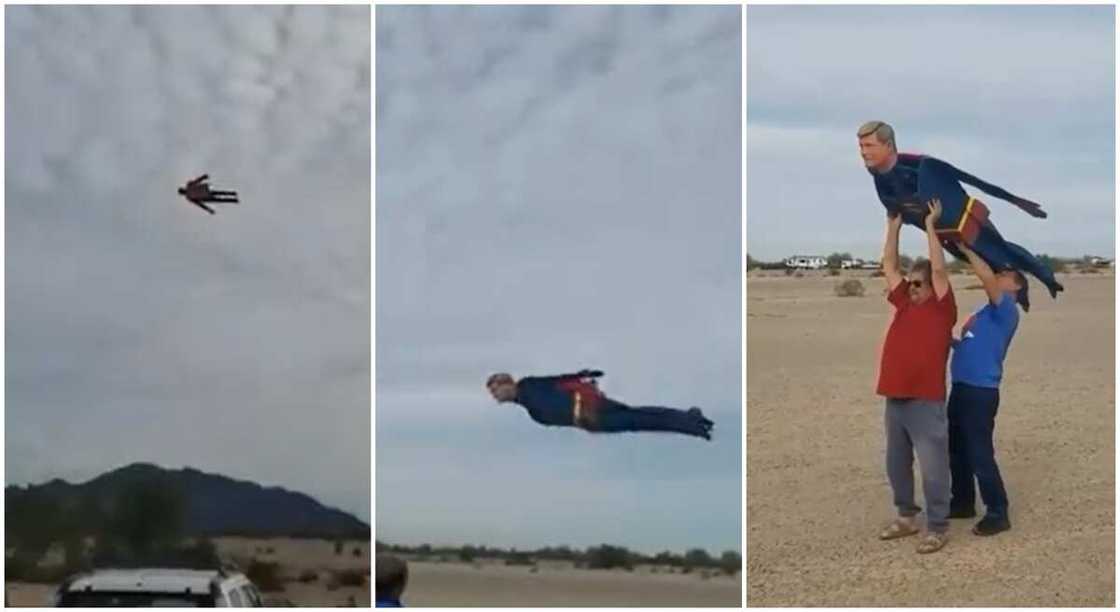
(224, 196)
(1026, 262)
(616, 417)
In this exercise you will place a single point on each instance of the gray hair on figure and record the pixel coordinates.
(882, 131)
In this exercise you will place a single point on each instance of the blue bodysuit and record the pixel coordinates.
(916, 179)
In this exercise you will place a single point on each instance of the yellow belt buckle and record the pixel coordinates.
(959, 230)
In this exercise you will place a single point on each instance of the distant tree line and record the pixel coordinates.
(140, 524)
(1055, 263)
(604, 556)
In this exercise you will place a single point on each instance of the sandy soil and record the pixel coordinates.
(294, 556)
(817, 493)
(483, 584)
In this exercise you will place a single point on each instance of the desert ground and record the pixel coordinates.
(817, 493)
(561, 585)
(296, 557)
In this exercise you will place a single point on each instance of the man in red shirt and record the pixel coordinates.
(912, 379)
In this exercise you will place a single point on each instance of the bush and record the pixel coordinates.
(798, 275)
(308, 576)
(519, 558)
(358, 551)
(339, 546)
(877, 274)
(833, 272)
(731, 562)
(850, 288)
(266, 575)
(607, 557)
(349, 578)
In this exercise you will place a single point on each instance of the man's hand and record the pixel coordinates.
(585, 373)
(894, 220)
(934, 215)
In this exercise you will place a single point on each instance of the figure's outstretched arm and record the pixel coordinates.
(198, 180)
(585, 373)
(1031, 208)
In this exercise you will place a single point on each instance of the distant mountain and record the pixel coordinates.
(212, 505)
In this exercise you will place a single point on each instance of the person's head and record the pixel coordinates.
(1013, 281)
(502, 387)
(392, 577)
(182, 191)
(920, 281)
(876, 145)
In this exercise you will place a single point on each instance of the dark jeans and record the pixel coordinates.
(614, 416)
(972, 421)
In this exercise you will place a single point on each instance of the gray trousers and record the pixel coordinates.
(922, 426)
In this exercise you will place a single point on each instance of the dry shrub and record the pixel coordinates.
(850, 288)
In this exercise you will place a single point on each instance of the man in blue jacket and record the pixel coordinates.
(574, 400)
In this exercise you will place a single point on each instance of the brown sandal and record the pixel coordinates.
(932, 542)
(899, 528)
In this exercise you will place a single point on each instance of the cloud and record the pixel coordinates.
(986, 103)
(139, 328)
(558, 187)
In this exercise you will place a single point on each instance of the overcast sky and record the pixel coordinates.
(139, 328)
(1022, 96)
(558, 188)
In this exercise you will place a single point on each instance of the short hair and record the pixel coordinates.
(882, 131)
(924, 266)
(499, 377)
(392, 576)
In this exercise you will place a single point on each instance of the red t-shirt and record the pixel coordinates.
(916, 350)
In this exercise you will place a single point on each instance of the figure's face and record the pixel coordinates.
(876, 155)
(504, 389)
(920, 287)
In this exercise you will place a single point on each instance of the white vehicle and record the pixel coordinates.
(158, 588)
(806, 262)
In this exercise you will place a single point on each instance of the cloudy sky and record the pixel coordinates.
(1023, 97)
(140, 328)
(558, 188)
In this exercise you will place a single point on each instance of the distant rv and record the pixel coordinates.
(806, 262)
(859, 264)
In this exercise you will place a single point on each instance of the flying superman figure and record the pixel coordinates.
(574, 400)
(906, 182)
(198, 192)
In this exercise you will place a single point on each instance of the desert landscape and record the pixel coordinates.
(559, 584)
(817, 492)
(309, 572)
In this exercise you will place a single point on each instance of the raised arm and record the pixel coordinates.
(939, 274)
(891, 272)
(983, 272)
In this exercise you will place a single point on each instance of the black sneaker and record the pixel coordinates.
(962, 513)
(991, 525)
